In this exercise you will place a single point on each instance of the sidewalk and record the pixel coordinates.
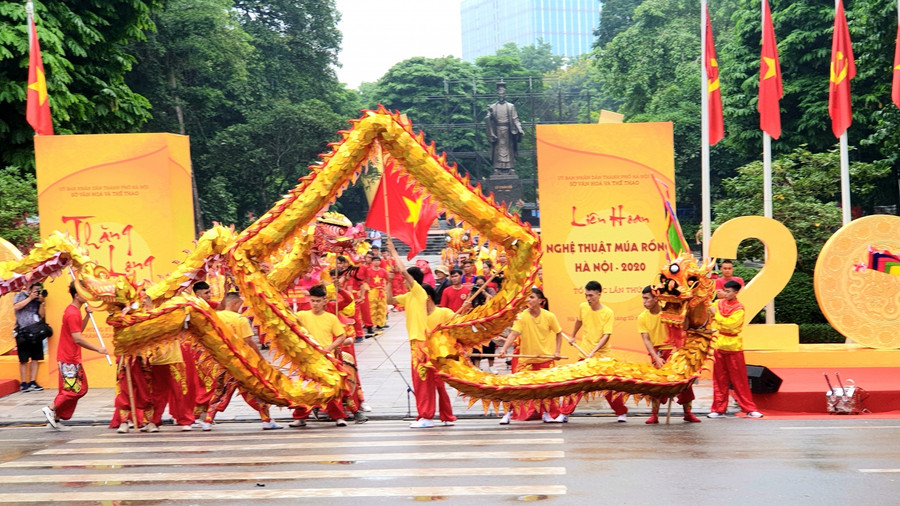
(385, 390)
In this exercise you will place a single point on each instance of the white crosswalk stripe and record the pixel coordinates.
(235, 462)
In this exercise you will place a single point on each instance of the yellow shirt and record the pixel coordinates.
(594, 324)
(416, 317)
(169, 353)
(239, 324)
(321, 327)
(438, 316)
(651, 324)
(538, 335)
(729, 330)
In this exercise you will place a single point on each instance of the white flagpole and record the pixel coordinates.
(767, 183)
(29, 10)
(845, 164)
(704, 135)
(845, 180)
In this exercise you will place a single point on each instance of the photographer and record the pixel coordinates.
(30, 309)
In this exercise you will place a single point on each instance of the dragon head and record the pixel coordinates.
(683, 284)
(335, 233)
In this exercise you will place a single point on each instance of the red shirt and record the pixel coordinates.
(453, 297)
(376, 278)
(68, 351)
(720, 282)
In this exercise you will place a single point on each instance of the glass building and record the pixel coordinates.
(567, 25)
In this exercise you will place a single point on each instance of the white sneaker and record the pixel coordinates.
(622, 418)
(493, 370)
(340, 422)
(715, 415)
(123, 428)
(297, 423)
(448, 423)
(205, 426)
(505, 419)
(421, 423)
(365, 407)
(561, 419)
(186, 428)
(51, 416)
(271, 425)
(754, 414)
(547, 418)
(150, 427)
(197, 425)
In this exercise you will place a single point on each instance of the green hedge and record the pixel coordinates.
(818, 333)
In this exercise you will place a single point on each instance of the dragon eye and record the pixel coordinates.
(465, 237)
(674, 269)
(448, 238)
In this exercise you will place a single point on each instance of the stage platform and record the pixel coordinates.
(8, 386)
(803, 390)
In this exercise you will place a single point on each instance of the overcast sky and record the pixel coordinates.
(380, 33)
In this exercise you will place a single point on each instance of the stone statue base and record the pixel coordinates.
(506, 187)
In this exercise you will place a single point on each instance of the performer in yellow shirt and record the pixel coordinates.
(654, 334)
(729, 355)
(328, 331)
(537, 328)
(226, 384)
(595, 321)
(422, 316)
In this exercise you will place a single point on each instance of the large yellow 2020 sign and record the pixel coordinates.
(863, 306)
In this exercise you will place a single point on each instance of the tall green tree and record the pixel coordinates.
(615, 17)
(83, 48)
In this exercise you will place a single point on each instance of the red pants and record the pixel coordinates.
(731, 368)
(335, 410)
(224, 391)
(141, 378)
(363, 304)
(535, 410)
(615, 402)
(72, 386)
(685, 396)
(425, 388)
(170, 386)
(205, 386)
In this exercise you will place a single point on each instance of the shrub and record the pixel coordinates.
(818, 333)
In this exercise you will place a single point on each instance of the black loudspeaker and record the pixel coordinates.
(762, 380)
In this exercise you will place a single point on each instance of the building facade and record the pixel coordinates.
(567, 25)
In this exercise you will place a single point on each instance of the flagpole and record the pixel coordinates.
(845, 165)
(29, 10)
(767, 183)
(845, 180)
(704, 135)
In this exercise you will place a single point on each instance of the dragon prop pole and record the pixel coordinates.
(93, 322)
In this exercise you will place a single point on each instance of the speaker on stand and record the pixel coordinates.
(762, 380)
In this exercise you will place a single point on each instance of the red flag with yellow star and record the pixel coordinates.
(37, 109)
(770, 90)
(716, 122)
(842, 71)
(399, 211)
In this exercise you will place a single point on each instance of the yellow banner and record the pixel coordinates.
(602, 219)
(127, 199)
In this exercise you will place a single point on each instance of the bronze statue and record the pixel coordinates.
(504, 131)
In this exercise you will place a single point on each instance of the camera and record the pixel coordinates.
(44, 293)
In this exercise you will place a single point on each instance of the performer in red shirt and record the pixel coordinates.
(72, 380)
(455, 295)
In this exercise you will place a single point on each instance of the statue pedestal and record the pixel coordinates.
(506, 187)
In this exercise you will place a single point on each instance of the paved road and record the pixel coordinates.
(587, 461)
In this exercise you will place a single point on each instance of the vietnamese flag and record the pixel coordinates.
(842, 71)
(895, 94)
(37, 109)
(716, 123)
(399, 212)
(770, 90)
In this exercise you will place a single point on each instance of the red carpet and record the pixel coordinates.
(8, 386)
(803, 392)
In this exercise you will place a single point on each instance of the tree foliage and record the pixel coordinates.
(18, 203)
(83, 48)
(804, 198)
